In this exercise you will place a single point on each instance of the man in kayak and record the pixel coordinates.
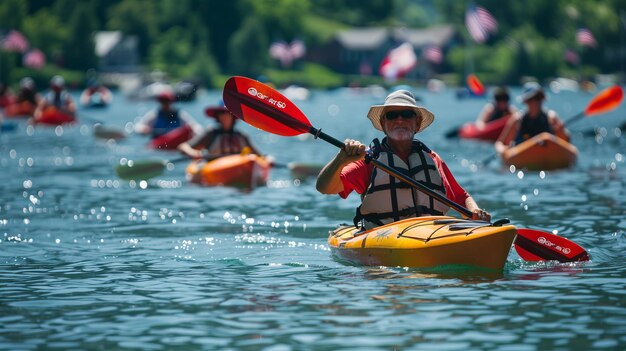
(59, 98)
(533, 121)
(497, 109)
(165, 118)
(223, 140)
(27, 92)
(96, 95)
(384, 198)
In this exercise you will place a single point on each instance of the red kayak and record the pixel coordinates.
(171, 140)
(6, 100)
(54, 117)
(19, 109)
(491, 132)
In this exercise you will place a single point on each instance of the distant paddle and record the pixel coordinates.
(267, 109)
(477, 88)
(144, 169)
(475, 85)
(102, 131)
(606, 100)
(150, 168)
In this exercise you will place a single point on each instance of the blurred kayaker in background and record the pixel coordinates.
(27, 92)
(165, 118)
(96, 95)
(532, 121)
(223, 140)
(59, 98)
(497, 109)
(6, 96)
(384, 198)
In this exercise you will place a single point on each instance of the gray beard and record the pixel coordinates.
(400, 134)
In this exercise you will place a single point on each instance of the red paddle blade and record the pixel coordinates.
(475, 85)
(607, 100)
(264, 107)
(536, 245)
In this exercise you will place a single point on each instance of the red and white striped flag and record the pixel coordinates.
(398, 62)
(584, 37)
(287, 53)
(14, 42)
(34, 59)
(433, 54)
(480, 23)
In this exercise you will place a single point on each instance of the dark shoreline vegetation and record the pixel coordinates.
(209, 41)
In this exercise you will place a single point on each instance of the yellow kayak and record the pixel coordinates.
(423, 242)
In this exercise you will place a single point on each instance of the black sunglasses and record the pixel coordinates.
(405, 114)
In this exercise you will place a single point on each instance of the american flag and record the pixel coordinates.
(287, 53)
(584, 37)
(34, 59)
(14, 42)
(433, 54)
(480, 23)
(398, 62)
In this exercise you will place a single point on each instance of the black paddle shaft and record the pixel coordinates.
(397, 174)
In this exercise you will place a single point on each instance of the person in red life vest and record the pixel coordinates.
(384, 198)
(58, 98)
(533, 121)
(165, 118)
(96, 95)
(497, 109)
(220, 141)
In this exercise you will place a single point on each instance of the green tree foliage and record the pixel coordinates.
(204, 38)
(248, 48)
(12, 13)
(79, 53)
(136, 17)
(281, 18)
(47, 32)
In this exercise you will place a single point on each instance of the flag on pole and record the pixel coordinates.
(398, 62)
(14, 42)
(287, 53)
(584, 37)
(480, 23)
(34, 59)
(433, 54)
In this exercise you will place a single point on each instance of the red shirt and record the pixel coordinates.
(356, 176)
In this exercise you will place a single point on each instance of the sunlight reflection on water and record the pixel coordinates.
(92, 261)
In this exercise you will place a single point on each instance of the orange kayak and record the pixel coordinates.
(241, 171)
(490, 132)
(171, 140)
(541, 152)
(19, 109)
(52, 116)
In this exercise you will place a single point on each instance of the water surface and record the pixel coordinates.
(92, 262)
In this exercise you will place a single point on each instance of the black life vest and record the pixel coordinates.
(529, 127)
(497, 114)
(388, 199)
(226, 142)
